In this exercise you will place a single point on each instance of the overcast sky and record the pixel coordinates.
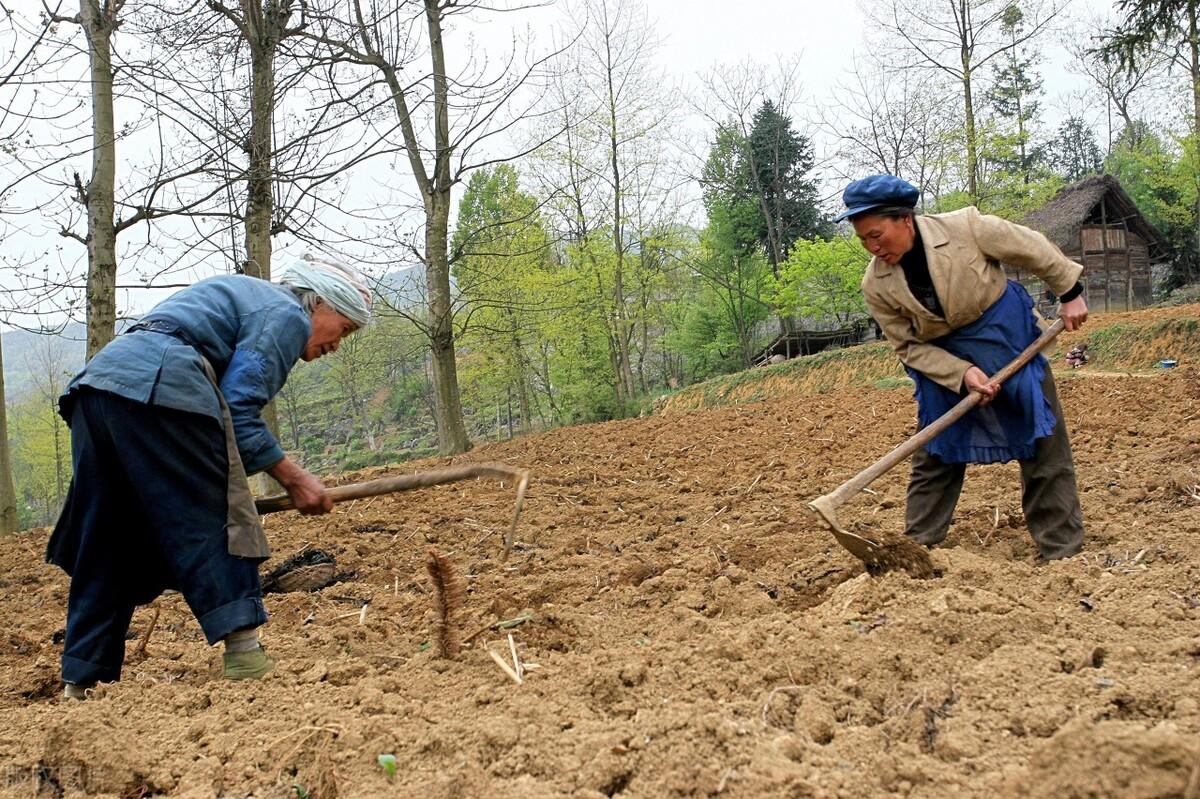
(698, 34)
(826, 33)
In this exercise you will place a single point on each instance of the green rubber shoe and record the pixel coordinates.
(252, 665)
(76, 692)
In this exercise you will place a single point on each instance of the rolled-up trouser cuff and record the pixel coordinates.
(237, 615)
(86, 673)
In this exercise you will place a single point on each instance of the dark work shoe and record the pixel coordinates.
(252, 665)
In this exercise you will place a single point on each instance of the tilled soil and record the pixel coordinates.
(692, 630)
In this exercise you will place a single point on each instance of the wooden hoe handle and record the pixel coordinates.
(406, 482)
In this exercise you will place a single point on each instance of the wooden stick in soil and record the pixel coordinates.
(512, 647)
(507, 668)
(140, 652)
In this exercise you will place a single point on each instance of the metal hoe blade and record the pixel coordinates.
(864, 549)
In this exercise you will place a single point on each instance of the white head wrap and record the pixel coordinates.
(335, 282)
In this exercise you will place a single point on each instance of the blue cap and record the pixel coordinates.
(877, 191)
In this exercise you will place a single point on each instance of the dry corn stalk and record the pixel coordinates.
(448, 597)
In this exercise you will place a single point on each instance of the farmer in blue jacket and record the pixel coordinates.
(165, 425)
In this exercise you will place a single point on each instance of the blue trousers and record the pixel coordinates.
(145, 512)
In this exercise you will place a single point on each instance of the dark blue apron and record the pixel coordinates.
(1006, 428)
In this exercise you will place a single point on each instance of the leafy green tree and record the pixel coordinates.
(760, 198)
(707, 335)
(821, 280)
(734, 298)
(500, 248)
(370, 403)
(727, 185)
(1160, 178)
(731, 262)
(576, 354)
(41, 468)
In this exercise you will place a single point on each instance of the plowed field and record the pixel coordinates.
(695, 631)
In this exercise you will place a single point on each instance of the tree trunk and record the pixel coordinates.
(452, 433)
(8, 495)
(522, 365)
(969, 113)
(620, 312)
(259, 198)
(1193, 13)
(1021, 141)
(98, 25)
(264, 24)
(1194, 64)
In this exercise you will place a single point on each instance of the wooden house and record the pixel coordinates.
(810, 342)
(1095, 223)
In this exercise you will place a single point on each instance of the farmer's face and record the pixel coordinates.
(328, 329)
(887, 238)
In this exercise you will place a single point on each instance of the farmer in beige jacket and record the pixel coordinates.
(938, 290)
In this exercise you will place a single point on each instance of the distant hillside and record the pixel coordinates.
(403, 288)
(29, 356)
(1133, 341)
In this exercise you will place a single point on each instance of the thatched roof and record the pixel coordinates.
(1079, 204)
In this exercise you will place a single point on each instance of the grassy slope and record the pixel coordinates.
(1123, 342)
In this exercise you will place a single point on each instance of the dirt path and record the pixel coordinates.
(697, 632)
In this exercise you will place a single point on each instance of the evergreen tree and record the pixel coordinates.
(780, 162)
(728, 191)
(1014, 98)
(1073, 153)
(718, 330)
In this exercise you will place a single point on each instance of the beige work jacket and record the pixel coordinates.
(965, 250)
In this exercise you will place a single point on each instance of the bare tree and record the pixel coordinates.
(895, 121)
(616, 50)
(99, 21)
(447, 124)
(14, 68)
(8, 494)
(1125, 87)
(611, 173)
(958, 38)
(261, 25)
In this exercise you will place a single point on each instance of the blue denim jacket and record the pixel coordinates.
(250, 330)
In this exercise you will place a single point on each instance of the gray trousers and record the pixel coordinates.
(1049, 495)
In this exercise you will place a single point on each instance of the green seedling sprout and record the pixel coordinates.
(388, 764)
